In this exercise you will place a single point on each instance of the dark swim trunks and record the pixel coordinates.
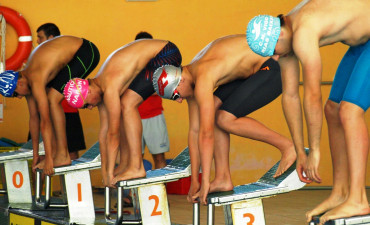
(75, 135)
(142, 84)
(244, 96)
(82, 64)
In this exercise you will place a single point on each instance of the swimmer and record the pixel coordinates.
(296, 38)
(246, 82)
(50, 66)
(121, 85)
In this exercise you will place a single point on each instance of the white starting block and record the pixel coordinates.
(76, 184)
(15, 173)
(356, 220)
(243, 205)
(149, 194)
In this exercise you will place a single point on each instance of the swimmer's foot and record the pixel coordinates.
(128, 174)
(333, 201)
(288, 157)
(119, 169)
(60, 160)
(219, 185)
(346, 209)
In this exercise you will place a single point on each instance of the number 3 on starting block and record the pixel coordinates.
(248, 213)
(154, 205)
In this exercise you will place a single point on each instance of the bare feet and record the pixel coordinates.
(193, 193)
(328, 204)
(46, 165)
(347, 209)
(128, 174)
(288, 157)
(60, 160)
(204, 190)
(218, 185)
(119, 169)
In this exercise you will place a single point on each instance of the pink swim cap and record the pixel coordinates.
(75, 92)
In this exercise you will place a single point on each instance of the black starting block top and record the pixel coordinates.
(178, 168)
(25, 152)
(356, 220)
(266, 186)
(90, 160)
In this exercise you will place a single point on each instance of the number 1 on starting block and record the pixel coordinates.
(154, 204)
(248, 213)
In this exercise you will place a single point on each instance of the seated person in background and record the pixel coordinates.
(74, 131)
(246, 82)
(50, 66)
(121, 85)
(296, 38)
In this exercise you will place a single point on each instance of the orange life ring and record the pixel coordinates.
(24, 48)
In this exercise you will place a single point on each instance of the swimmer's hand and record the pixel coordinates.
(312, 166)
(302, 168)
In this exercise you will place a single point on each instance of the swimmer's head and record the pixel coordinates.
(263, 33)
(165, 81)
(75, 92)
(8, 83)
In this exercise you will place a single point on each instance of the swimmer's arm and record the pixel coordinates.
(34, 126)
(204, 96)
(112, 104)
(103, 115)
(40, 96)
(307, 51)
(291, 103)
(193, 138)
(306, 48)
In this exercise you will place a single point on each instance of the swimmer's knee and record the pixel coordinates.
(331, 109)
(130, 100)
(349, 111)
(54, 99)
(223, 119)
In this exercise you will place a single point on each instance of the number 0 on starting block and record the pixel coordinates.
(154, 205)
(248, 212)
(18, 182)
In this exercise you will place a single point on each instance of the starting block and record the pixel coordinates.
(149, 194)
(76, 184)
(243, 205)
(15, 173)
(356, 220)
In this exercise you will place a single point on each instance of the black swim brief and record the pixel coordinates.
(142, 84)
(82, 64)
(244, 96)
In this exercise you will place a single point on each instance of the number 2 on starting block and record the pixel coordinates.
(248, 213)
(154, 205)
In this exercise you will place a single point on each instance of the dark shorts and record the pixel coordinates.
(75, 134)
(142, 84)
(82, 64)
(244, 96)
(352, 79)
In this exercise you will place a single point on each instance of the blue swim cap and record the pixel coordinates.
(8, 82)
(263, 33)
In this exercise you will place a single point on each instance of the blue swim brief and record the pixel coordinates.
(352, 79)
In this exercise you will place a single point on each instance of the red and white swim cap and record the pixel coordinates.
(75, 92)
(166, 79)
